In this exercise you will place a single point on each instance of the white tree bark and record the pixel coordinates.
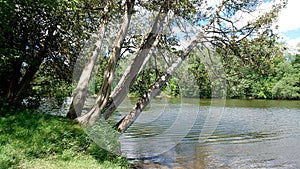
(80, 94)
(103, 95)
(113, 105)
(121, 90)
(125, 123)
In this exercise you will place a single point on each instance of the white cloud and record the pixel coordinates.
(292, 43)
(287, 20)
(289, 16)
(242, 18)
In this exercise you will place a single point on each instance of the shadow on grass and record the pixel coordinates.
(28, 135)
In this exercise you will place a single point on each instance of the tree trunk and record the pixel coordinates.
(80, 94)
(14, 81)
(112, 104)
(27, 78)
(17, 87)
(103, 95)
(121, 90)
(125, 123)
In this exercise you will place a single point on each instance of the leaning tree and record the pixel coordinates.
(219, 25)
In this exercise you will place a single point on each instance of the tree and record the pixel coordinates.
(35, 33)
(248, 72)
(81, 92)
(154, 90)
(218, 28)
(126, 121)
(129, 75)
(287, 78)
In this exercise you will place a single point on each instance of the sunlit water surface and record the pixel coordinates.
(193, 133)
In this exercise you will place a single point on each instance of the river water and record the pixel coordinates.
(193, 133)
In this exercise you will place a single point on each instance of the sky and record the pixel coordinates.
(289, 23)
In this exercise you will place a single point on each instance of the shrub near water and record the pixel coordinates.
(35, 140)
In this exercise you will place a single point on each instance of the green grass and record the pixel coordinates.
(34, 140)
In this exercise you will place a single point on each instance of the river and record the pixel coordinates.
(193, 133)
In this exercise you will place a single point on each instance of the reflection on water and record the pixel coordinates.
(250, 134)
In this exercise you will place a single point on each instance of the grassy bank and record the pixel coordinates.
(38, 141)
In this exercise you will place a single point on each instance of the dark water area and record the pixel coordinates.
(193, 133)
